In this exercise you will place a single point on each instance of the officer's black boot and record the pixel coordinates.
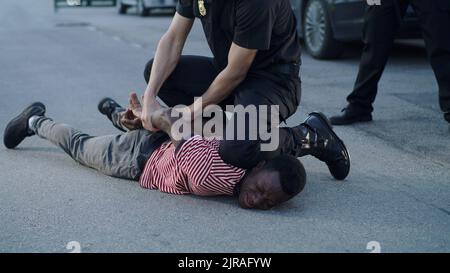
(316, 137)
(351, 115)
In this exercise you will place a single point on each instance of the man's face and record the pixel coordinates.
(261, 190)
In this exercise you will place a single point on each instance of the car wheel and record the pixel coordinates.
(142, 10)
(317, 32)
(123, 8)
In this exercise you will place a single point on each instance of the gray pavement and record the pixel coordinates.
(398, 192)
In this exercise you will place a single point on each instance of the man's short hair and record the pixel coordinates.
(291, 171)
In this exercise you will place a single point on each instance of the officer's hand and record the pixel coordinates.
(146, 115)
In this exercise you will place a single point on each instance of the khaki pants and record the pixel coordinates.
(122, 155)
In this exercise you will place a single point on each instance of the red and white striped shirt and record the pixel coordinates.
(195, 168)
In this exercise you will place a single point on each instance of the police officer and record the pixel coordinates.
(381, 25)
(256, 62)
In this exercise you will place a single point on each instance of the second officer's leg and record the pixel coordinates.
(434, 17)
(381, 23)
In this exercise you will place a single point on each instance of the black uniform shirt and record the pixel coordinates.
(266, 25)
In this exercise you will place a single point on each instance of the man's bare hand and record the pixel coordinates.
(130, 121)
(135, 105)
(145, 113)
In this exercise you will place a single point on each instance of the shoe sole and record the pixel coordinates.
(330, 126)
(20, 116)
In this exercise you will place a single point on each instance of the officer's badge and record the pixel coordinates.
(201, 7)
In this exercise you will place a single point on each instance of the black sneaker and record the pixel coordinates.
(350, 116)
(17, 129)
(327, 146)
(447, 117)
(107, 107)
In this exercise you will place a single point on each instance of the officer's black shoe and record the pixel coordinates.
(107, 107)
(17, 129)
(349, 116)
(326, 146)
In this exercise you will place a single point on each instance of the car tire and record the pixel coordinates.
(142, 10)
(123, 8)
(318, 33)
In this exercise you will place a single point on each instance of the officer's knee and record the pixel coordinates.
(244, 154)
(148, 70)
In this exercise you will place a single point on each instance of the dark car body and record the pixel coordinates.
(346, 18)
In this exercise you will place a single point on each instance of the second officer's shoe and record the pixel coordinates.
(326, 146)
(350, 115)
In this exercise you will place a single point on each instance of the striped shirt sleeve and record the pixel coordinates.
(207, 174)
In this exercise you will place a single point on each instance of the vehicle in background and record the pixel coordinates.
(326, 25)
(143, 7)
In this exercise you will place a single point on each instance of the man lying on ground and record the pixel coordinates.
(158, 161)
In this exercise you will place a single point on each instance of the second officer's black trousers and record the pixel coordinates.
(380, 28)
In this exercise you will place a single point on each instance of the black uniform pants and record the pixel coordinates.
(380, 27)
(194, 74)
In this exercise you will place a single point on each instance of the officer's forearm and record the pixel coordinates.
(221, 88)
(239, 62)
(166, 58)
(163, 120)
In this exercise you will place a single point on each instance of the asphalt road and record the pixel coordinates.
(398, 192)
